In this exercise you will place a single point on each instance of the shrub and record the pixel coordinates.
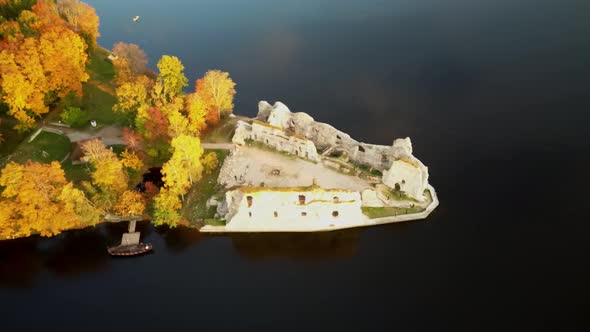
(74, 117)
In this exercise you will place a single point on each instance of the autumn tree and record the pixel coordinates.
(131, 203)
(108, 177)
(47, 16)
(11, 9)
(216, 89)
(132, 101)
(76, 202)
(130, 62)
(196, 113)
(188, 152)
(132, 139)
(209, 162)
(82, 18)
(131, 160)
(63, 55)
(176, 176)
(171, 76)
(31, 200)
(23, 83)
(166, 206)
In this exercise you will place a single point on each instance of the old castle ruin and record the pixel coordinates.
(299, 134)
(288, 172)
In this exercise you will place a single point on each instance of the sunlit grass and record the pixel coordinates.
(45, 148)
(379, 212)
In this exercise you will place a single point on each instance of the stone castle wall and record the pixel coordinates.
(275, 138)
(290, 208)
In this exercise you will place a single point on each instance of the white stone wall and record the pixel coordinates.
(274, 209)
(410, 179)
(275, 138)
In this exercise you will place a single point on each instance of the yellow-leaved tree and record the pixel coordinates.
(187, 153)
(132, 101)
(171, 76)
(108, 176)
(31, 200)
(131, 160)
(209, 162)
(131, 203)
(197, 113)
(23, 83)
(166, 206)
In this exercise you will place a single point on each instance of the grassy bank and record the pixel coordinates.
(379, 212)
(224, 131)
(195, 208)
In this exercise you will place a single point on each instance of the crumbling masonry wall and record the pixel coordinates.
(409, 174)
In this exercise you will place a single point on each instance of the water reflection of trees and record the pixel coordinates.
(67, 255)
(300, 246)
(179, 238)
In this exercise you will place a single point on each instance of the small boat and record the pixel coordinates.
(130, 249)
(136, 18)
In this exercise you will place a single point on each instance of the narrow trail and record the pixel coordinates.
(110, 135)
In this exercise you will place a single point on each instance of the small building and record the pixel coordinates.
(290, 209)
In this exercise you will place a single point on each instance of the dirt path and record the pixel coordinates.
(110, 135)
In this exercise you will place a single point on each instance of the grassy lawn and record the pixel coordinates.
(397, 195)
(99, 105)
(195, 205)
(76, 173)
(10, 137)
(100, 68)
(55, 146)
(224, 131)
(117, 148)
(379, 212)
(98, 93)
(214, 222)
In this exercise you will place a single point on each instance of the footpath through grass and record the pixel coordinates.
(45, 148)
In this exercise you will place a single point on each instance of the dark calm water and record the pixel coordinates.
(495, 96)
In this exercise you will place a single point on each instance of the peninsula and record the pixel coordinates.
(94, 135)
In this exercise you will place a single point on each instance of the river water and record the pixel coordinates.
(493, 93)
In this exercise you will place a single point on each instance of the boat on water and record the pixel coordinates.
(130, 249)
(135, 18)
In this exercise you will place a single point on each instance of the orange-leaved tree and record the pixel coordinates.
(31, 200)
(217, 90)
(63, 55)
(23, 83)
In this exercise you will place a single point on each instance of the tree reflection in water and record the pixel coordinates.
(66, 255)
(298, 246)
